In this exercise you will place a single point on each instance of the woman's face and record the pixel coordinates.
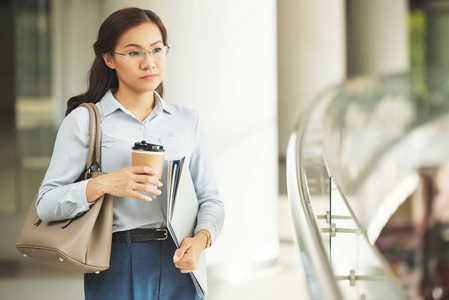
(137, 72)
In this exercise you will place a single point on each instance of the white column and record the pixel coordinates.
(377, 37)
(311, 56)
(74, 31)
(222, 63)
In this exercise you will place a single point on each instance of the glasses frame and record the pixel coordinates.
(150, 52)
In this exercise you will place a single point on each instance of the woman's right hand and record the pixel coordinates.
(124, 183)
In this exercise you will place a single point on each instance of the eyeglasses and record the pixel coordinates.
(137, 55)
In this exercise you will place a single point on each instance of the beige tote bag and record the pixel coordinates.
(82, 244)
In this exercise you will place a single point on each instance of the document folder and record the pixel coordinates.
(181, 214)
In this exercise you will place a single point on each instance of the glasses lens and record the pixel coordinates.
(157, 53)
(134, 55)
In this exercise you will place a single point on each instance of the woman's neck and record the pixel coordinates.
(140, 105)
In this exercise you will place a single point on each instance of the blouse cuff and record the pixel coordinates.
(208, 227)
(82, 203)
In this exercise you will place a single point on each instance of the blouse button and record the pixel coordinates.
(142, 128)
(83, 206)
(158, 226)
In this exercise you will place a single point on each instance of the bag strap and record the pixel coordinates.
(94, 152)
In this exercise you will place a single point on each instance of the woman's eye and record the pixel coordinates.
(133, 53)
(156, 50)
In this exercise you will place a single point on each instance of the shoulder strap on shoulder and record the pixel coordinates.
(94, 153)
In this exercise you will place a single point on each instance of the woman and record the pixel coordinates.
(126, 85)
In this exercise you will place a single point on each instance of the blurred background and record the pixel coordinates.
(250, 68)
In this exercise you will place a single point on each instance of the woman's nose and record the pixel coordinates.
(148, 61)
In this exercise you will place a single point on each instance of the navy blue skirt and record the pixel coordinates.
(141, 270)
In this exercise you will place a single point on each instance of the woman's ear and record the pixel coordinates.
(108, 60)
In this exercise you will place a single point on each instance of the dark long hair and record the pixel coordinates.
(101, 77)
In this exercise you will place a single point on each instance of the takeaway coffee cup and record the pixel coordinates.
(150, 155)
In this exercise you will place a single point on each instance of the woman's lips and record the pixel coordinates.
(149, 77)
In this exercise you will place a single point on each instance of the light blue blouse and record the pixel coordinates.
(176, 128)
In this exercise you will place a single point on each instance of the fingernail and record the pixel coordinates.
(158, 192)
(148, 199)
(160, 183)
(176, 257)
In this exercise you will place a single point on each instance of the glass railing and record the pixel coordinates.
(355, 168)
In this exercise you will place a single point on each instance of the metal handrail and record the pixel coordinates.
(322, 283)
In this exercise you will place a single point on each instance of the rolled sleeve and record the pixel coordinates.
(211, 208)
(210, 218)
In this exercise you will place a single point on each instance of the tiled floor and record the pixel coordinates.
(285, 281)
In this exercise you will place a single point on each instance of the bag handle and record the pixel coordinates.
(94, 152)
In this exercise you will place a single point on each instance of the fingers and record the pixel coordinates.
(147, 188)
(147, 183)
(184, 259)
(187, 263)
(140, 196)
(144, 170)
(148, 179)
(185, 245)
(131, 182)
(187, 270)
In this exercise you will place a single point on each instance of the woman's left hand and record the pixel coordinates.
(187, 256)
